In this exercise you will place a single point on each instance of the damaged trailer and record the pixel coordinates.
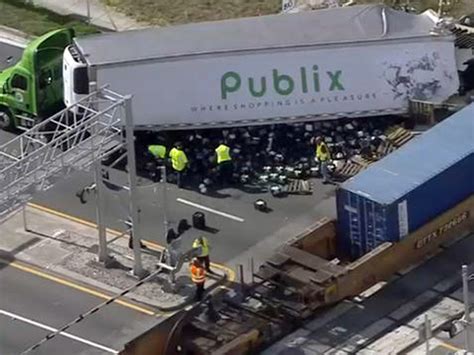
(360, 61)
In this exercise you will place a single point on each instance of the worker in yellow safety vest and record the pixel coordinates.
(158, 151)
(323, 156)
(203, 244)
(224, 163)
(179, 163)
(198, 276)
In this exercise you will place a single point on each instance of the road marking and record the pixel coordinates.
(64, 334)
(223, 214)
(230, 272)
(21, 266)
(66, 216)
(449, 346)
(12, 43)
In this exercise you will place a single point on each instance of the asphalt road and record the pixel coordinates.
(234, 228)
(51, 304)
(229, 236)
(32, 307)
(9, 55)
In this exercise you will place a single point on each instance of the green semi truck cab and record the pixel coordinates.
(32, 89)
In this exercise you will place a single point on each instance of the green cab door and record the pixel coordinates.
(49, 89)
(48, 61)
(20, 90)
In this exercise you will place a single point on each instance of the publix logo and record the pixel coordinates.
(282, 84)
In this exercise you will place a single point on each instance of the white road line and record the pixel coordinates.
(12, 43)
(223, 214)
(51, 329)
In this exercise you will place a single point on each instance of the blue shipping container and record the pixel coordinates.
(408, 188)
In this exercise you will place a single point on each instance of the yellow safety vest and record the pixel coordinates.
(223, 153)
(322, 156)
(178, 159)
(198, 274)
(204, 246)
(159, 151)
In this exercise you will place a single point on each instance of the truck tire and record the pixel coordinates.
(6, 120)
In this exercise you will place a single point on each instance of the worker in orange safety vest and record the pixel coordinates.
(198, 276)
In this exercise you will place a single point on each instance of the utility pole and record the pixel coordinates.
(100, 208)
(88, 4)
(165, 204)
(103, 256)
(138, 270)
(427, 333)
(467, 311)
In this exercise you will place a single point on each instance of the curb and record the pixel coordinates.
(14, 37)
(111, 20)
(110, 292)
(414, 344)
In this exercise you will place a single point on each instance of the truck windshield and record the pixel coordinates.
(81, 81)
(19, 82)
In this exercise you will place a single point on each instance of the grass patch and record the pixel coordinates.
(37, 21)
(167, 12)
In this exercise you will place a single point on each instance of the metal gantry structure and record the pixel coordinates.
(74, 139)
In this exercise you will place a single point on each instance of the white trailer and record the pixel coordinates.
(365, 60)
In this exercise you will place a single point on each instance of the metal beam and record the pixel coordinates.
(138, 270)
(53, 149)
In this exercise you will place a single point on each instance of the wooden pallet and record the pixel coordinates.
(348, 170)
(299, 187)
(385, 149)
(399, 136)
(364, 162)
(396, 137)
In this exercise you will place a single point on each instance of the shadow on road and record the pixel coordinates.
(7, 257)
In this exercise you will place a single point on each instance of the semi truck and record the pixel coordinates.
(32, 88)
(359, 61)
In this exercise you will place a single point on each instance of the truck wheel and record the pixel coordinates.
(6, 120)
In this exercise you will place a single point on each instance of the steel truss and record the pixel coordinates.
(71, 140)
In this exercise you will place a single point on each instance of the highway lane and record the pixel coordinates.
(31, 307)
(15, 336)
(54, 305)
(228, 237)
(9, 54)
(232, 238)
(51, 304)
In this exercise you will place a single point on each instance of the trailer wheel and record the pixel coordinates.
(6, 120)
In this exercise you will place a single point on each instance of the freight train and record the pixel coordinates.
(390, 217)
